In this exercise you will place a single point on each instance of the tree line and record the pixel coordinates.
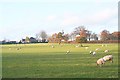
(79, 34)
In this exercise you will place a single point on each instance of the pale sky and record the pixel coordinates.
(21, 18)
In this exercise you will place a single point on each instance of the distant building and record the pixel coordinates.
(12, 42)
(33, 40)
(7, 42)
(23, 41)
(3, 42)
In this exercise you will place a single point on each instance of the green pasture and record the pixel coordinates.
(43, 61)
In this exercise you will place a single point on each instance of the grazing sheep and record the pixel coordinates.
(90, 52)
(97, 49)
(108, 58)
(106, 51)
(77, 46)
(103, 45)
(52, 46)
(86, 48)
(100, 62)
(93, 53)
(68, 52)
(104, 59)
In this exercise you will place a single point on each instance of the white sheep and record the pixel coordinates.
(108, 58)
(77, 46)
(103, 45)
(97, 49)
(86, 48)
(68, 52)
(106, 51)
(90, 52)
(100, 62)
(93, 53)
(104, 59)
(52, 46)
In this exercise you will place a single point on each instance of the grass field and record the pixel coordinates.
(43, 61)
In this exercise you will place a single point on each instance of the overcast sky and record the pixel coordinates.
(21, 18)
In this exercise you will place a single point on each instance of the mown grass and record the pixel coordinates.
(43, 61)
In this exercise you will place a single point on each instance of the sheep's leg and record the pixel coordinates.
(97, 64)
(100, 65)
(111, 61)
(104, 63)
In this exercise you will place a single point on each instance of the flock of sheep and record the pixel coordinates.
(102, 60)
(99, 62)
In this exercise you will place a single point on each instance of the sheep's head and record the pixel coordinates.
(91, 52)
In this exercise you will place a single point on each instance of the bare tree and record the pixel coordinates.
(94, 36)
(89, 34)
(66, 37)
(41, 36)
(38, 37)
(72, 36)
(82, 32)
(78, 29)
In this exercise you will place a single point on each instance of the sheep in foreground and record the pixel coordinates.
(104, 59)
(108, 58)
(100, 62)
